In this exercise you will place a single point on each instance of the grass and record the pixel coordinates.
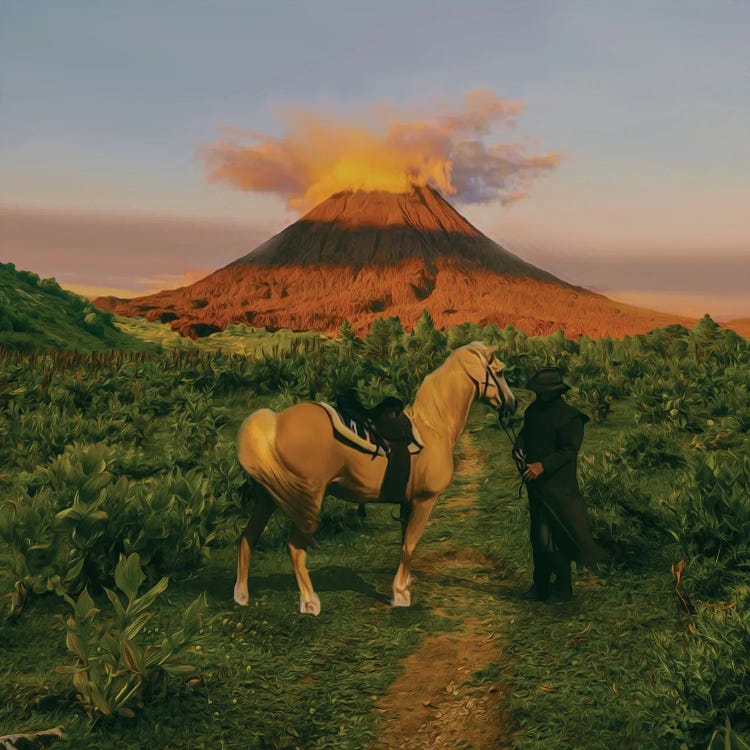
(234, 339)
(589, 674)
(272, 679)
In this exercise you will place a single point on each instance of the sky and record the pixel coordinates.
(107, 107)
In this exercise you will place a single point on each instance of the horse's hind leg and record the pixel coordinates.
(264, 507)
(309, 603)
(417, 520)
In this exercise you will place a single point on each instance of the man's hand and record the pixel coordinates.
(533, 470)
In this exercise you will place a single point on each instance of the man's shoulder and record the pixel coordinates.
(559, 413)
(566, 412)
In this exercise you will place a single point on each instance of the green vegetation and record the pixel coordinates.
(234, 339)
(112, 667)
(117, 472)
(38, 314)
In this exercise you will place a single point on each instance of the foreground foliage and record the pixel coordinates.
(112, 457)
(113, 663)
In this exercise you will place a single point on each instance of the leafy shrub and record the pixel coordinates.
(651, 447)
(712, 523)
(670, 398)
(706, 669)
(594, 398)
(115, 658)
(627, 518)
(74, 519)
(725, 433)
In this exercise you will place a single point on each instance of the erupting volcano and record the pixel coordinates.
(382, 229)
(360, 255)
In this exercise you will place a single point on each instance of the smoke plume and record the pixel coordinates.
(385, 148)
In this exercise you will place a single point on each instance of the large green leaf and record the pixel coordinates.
(128, 575)
(136, 606)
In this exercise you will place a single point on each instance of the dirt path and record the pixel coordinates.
(433, 703)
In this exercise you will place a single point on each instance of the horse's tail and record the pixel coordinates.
(256, 450)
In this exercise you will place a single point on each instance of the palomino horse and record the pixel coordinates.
(295, 460)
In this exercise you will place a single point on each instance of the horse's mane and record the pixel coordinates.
(430, 396)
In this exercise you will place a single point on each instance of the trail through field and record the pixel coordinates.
(436, 703)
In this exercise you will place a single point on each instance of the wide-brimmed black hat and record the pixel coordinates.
(548, 379)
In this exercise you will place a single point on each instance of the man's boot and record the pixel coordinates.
(561, 590)
(531, 594)
(540, 589)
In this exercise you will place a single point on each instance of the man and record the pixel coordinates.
(547, 447)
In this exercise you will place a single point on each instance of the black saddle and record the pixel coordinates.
(388, 428)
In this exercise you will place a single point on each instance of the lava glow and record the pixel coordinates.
(321, 153)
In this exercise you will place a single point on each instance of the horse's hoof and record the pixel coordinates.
(241, 596)
(401, 599)
(310, 607)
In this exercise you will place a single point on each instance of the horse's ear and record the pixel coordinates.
(491, 349)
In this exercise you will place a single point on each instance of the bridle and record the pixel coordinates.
(510, 433)
(481, 390)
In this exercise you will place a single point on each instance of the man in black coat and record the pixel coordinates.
(548, 446)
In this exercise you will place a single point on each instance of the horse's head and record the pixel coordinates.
(487, 373)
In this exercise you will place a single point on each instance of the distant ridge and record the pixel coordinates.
(37, 314)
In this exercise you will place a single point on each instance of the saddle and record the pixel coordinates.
(386, 431)
(361, 436)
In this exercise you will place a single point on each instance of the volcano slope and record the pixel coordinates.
(362, 255)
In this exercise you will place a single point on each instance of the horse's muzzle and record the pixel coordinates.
(508, 407)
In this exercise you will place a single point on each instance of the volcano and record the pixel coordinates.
(381, 229)
(361, 255)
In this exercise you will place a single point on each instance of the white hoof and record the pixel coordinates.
(401, 598)
(310, 607)
(401, 595)
(241, 595)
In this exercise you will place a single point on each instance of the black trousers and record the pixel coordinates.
(550, 556)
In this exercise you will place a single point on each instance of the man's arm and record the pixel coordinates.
(569, 439)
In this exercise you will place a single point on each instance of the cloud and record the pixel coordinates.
(383, 148)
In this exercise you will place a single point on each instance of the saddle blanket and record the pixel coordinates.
(358, 437)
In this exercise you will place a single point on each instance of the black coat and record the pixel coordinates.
(552, 434)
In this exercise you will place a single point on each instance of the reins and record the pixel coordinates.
(510, 433)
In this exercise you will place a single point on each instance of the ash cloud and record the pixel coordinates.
(384, 148)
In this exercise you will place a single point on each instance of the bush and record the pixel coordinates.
(712, 521)
(706, 670)
(651, 447)
(116, 657)
(627, 518)
(74, 519)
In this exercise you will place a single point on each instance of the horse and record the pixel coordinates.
(294, 459)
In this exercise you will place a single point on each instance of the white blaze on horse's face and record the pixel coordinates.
(497, 392)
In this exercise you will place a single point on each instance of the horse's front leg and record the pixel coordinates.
(420, 512)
